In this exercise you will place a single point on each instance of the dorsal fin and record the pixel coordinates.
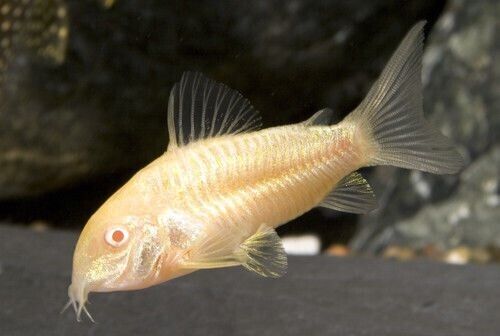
(201, 108)
(322, 117)
(352, 194)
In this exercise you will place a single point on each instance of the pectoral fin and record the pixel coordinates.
(262, 253)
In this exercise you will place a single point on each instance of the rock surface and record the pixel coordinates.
(469, 217)
(102, 108)
(461, 97)
(318, 296)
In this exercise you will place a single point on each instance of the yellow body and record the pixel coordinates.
(270, 176)
(215, 196)
(232, 182)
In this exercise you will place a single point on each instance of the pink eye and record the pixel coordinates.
(116, 236)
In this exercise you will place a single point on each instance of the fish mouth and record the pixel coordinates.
(78, 297)
(83, 283)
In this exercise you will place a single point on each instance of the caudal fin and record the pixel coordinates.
(391, 116)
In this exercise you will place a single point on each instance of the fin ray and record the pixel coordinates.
(200, 108)
(391, 115)
(322, 117)
(262, 253)
(352, 194)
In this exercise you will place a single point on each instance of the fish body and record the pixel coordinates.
(235, 183)
(267, 176)
(214, 198)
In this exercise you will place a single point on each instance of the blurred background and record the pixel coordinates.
(84, 86)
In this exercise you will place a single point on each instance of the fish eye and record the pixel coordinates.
(116, 236)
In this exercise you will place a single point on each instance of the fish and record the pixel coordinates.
(216, 195)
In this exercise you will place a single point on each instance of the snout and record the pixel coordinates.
(92, 274)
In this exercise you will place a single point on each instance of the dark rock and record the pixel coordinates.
(469, 217)
(318, 296)
(461, 97)
(102, 110)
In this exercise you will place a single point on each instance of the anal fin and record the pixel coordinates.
(262, 253)
(352, 194)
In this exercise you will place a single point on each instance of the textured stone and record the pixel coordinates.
(461, 97)
(103, 108)
(469, 217)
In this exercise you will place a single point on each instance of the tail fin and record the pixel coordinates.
(391, 116)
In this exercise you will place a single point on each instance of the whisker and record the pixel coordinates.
(74, 306)
(79, 313)
(66, 306)
(88, 314)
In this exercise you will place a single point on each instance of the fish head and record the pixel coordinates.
(116, 253)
